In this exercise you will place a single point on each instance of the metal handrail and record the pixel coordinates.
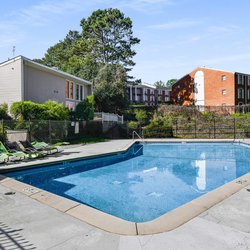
(135, 133)
(133, 136)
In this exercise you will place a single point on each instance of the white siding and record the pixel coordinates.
(199, 88)
(22, 79)
(40, 86)
(10, 82)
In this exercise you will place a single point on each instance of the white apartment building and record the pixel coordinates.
(22, 79)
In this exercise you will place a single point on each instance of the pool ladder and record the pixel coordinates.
(135, 133)
(133, 137)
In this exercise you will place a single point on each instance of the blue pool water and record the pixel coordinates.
(146, 181)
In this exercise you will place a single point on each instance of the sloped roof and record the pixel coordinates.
(45, 68)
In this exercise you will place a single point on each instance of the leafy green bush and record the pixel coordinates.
(160, 127)
(4, 112)
(25, 110)
(176, 111)
(84, 111)
(50, 110)
(133, 125)
(53, 111)
(141, 116)
(3, 135)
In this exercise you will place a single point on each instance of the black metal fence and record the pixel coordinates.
(214, 127)
(201, 127)
(57, 131)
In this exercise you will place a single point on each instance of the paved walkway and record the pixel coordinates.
(27, 224)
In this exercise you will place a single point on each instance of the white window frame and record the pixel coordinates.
(223, 92)
(223, 78)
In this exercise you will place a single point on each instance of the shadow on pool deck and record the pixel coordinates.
(11, 239)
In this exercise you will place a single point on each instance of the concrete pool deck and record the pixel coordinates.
(224, 226)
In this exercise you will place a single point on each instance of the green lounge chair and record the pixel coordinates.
(45, 146)
(13, 156)
(27, 147)
(4, 158)
(15, 147)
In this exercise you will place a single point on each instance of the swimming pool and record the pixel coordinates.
(145, 182)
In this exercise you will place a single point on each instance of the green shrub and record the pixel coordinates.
(50, 110)
(4, 112)
(160, 127)
(133, 125)
(141, 116)
(53, 111)
(84, 110)
(3, 135)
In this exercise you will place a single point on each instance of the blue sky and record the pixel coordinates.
(176, 35)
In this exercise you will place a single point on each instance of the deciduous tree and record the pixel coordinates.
(110, 88)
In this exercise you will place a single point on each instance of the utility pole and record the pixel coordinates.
(13, 50)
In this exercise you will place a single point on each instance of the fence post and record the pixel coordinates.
(49, 132)
(176, 127)
(65, 133)
(214, 129)
(195, 127)
(234, 128)
(2, 127)
(29, 132)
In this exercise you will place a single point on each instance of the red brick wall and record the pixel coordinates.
(183, 89)
(214, 86)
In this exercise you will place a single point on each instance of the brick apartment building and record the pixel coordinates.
(212, 87)
(147, 94)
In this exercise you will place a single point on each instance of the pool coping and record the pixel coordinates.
(43, 161)
(167, 222)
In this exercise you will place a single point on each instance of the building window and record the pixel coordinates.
(240, 93)
(81, 93)
(77, 92)
(70, 105)
(71, 90)
(240, 80)
(67, 89)
(248, 83)
(223, 78)
(248, 94)
(223, 92)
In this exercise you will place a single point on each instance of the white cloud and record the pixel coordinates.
(208, 33)
(147, 6)
(42, 13)
(222, 29)
(179, 24)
